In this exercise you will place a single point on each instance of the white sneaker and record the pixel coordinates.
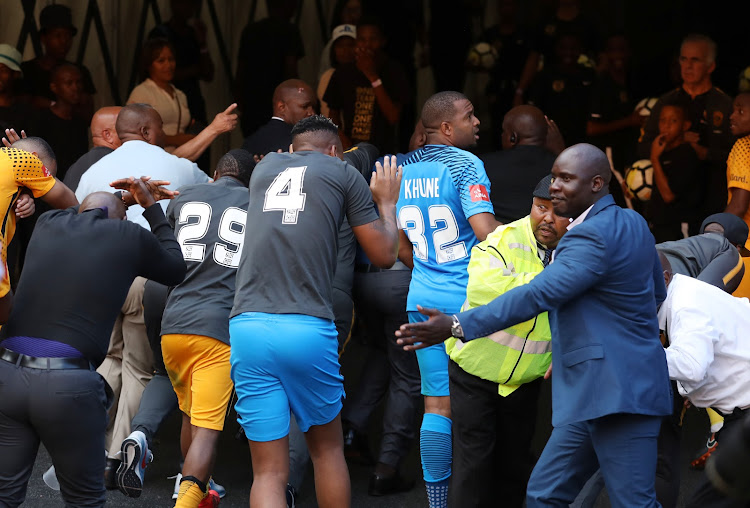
(176, 478)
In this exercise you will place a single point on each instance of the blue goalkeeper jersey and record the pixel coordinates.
(442, 187)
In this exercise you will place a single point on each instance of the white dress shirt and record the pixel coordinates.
(709, 350)
(138, 158)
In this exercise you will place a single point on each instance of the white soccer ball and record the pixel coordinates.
(640, 179)
(646, 105)
(482, 55)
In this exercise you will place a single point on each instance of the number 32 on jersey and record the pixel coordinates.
(444, 235)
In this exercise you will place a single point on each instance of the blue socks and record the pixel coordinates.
(436, 449)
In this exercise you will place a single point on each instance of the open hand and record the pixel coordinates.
(136, 189)
(413, 336)
(11, 136)
(386, 182)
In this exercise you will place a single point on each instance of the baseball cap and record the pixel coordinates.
(542, 188)
(344, 31)
(735, 229)
(56, 16)
(10, 57)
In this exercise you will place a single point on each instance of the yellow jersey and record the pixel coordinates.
(18, 168)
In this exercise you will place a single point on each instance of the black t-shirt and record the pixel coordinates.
(351, 93)
(79, 270)
(188, 52)
(264, 47)
(547, 32)
(512, 51)
(84, 162)
(19, 116)
(611, 101)
(275, 135)
(564, 96)
(513, 176)
(36, 79)
(68, 138)
(708, 114)
(200, 305)
(687, 181)
(297, 204)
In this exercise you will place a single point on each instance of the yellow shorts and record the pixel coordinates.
(199, 370)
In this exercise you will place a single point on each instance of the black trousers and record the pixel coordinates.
(705, 494)
(66, 410)
(159, 399)
(380, 299)
(492, 435)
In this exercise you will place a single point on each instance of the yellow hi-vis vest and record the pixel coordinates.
(521, 353)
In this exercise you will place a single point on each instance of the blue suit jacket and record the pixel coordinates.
(601, 292)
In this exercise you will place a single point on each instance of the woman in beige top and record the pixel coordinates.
(158, 67)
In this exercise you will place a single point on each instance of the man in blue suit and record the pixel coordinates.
(610, 381)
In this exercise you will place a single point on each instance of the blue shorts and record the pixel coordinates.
(433, 364)
(282, 362)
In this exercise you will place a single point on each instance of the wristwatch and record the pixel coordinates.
(456, 329)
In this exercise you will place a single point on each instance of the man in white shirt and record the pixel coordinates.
(139, 127)
(708, 355)
(129, 363)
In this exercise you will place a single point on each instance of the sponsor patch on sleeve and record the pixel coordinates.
(46, 171)
(479, 193)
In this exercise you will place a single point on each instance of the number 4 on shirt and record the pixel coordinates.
(285, 194)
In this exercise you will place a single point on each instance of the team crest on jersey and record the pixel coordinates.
(718, 118)
(479, 193)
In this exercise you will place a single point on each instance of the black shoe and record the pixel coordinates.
(384, 485)
(110, 473)
(357, 448)
(291, 496)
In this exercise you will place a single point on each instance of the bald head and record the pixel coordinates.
(524, 125)
(587, 160)
(140, 122)
(666, 267)
(112, 204)
(293, 100)
(581, 177)
(103, 131)
(42, 150)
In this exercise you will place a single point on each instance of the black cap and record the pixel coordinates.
(56, 16)
(542, 188)
(735, 229)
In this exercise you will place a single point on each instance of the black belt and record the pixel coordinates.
(32, 362)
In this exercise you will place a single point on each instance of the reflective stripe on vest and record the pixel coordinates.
(521, 353)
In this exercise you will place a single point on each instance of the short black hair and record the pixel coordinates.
(38, 145)
(315, 123)
(237, 163)
(371, 20)
(439, 108)
(150, 52)
(679, 104)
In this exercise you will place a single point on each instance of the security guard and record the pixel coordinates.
(495, 381)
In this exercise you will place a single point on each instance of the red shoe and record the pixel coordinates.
(211, 500)
(700, 460)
